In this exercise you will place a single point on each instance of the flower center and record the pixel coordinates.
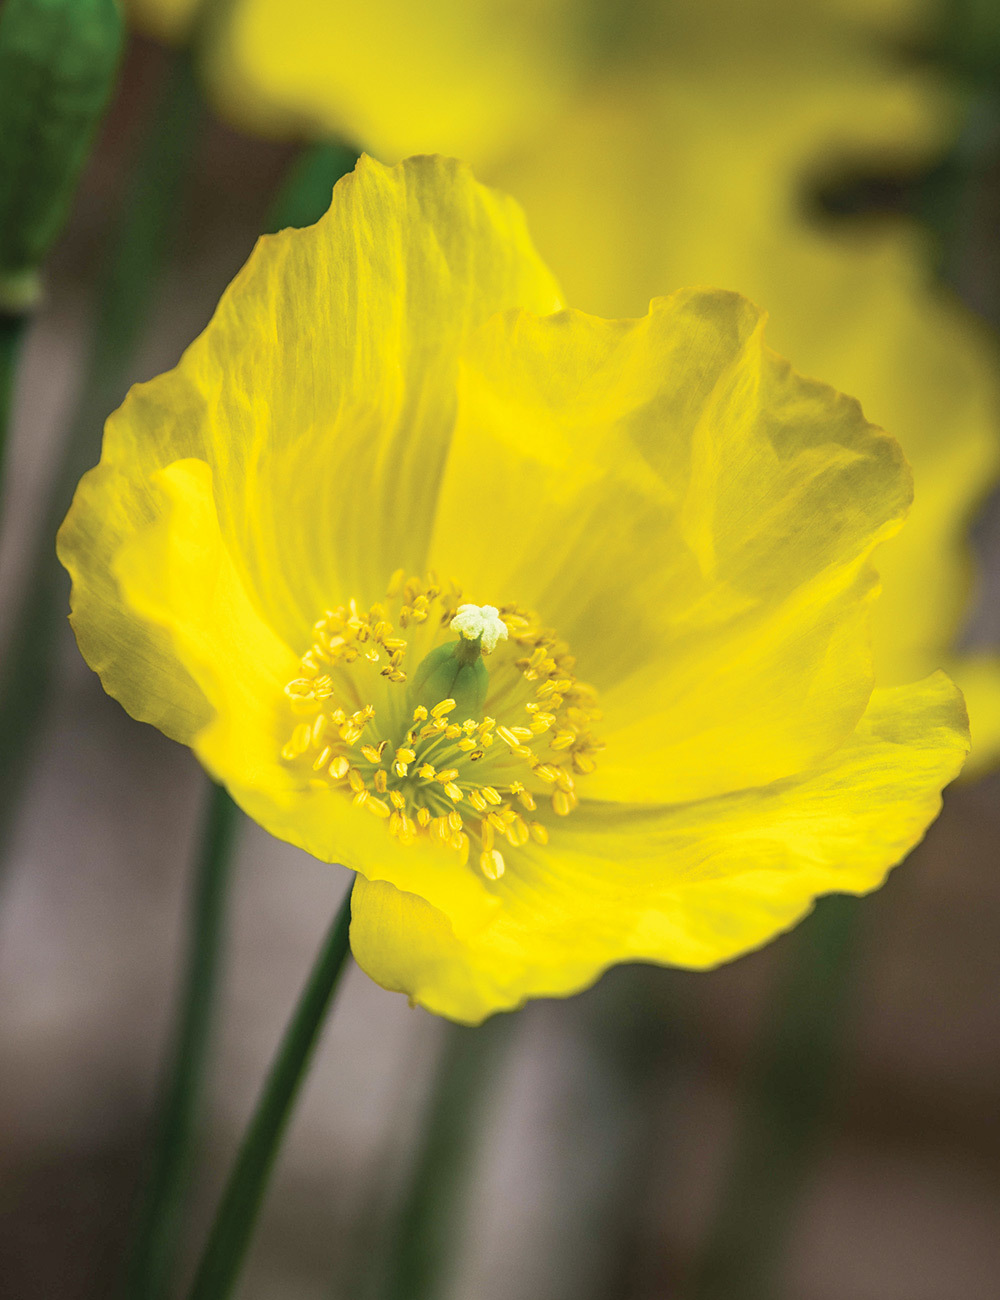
(416, 727)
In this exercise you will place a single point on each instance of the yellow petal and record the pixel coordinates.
(322, 391)
(175, 574)
(449, 76)
(693, 516)
(690, 886)
(720, 202)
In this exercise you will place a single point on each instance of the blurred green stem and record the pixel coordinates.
(137, 252)
(783, 1110)
(232, 1229)
(154, 1255)
(12, 329)
(422, 1247)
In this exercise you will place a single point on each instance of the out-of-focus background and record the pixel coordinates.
(609, 1122)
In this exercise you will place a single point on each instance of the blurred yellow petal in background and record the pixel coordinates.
(670, 532)
(447, 77)
(655, 145)
(615, 214)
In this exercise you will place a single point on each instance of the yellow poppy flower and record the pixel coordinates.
(682, 159)
(553, 628)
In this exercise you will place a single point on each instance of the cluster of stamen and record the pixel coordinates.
(471, 785)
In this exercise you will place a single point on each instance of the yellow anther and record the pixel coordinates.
(539, 690)
(517, 832)
(491, 864)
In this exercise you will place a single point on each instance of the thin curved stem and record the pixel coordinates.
(783, 1112)
(138, 251)
(421, 1248)
(154, 1255)
(12, 329)
(232, 1229)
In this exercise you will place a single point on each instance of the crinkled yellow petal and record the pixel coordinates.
(693, 885)
(693, 517)
(721, 201)
(176, 575)
(322, 395)
(449, 76)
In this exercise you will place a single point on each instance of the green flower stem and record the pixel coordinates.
(229, 1237)
(12, 330)
(154, 1255)
(305, 195)
(421, 1249)
(138, 251)
(783, 1113)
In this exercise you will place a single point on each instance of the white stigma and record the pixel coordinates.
(473, 621)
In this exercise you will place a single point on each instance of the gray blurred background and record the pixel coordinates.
(607, 1120)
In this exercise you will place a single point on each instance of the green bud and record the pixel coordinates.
(57, 69)
(454, 671)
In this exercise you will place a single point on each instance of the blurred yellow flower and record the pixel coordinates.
(450, 76)
(655, 145)
(553, 628)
